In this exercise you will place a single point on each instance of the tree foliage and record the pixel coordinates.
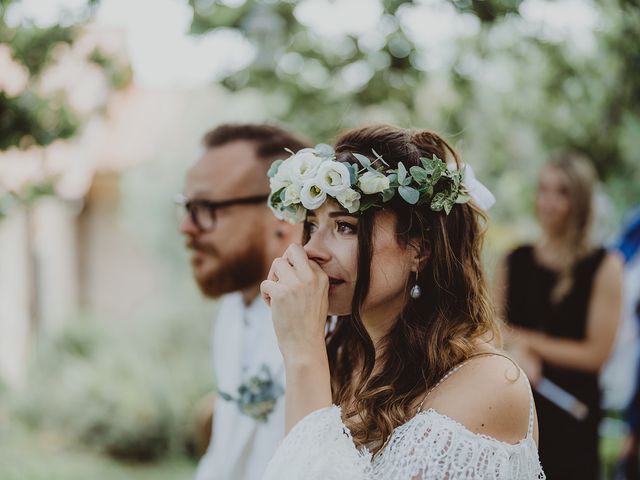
(547, 96)
(30, 117)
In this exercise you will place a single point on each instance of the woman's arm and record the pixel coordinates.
(297, 291)
(308, 385)
(603, 316)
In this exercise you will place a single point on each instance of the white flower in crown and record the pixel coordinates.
(291, 194)
(294, 214)
(349, 199)
(305, 180)
(333, 177)
(373, 182)
(279, 181)
(303, 166)
(311, 195)
(282, 178)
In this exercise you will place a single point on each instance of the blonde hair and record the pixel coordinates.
(581, 179)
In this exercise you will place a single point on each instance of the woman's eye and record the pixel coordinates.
(344, 227)
(309, 227)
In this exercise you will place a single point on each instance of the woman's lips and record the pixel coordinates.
(334, 283)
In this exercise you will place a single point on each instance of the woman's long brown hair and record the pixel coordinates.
(434, 332)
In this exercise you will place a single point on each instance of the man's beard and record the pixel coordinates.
(244, 270)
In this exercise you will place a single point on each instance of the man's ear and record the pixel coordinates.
(287, 232)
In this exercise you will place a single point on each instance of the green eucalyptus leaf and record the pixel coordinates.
(463, 198)
(427, 191)
(436, 175)
(419, 174)
(427, 164)
(325, 150)
(437, 202)
(410, 195)
(393, 179)
(364, 161)
(274, 168)
(448, 205)
(402, 173)
(388, 194)
(353, 172)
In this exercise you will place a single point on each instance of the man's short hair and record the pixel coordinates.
(270, 140)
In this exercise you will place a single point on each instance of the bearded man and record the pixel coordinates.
(233, 239)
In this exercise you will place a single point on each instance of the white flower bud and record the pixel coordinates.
(349, 199)
(373, 182)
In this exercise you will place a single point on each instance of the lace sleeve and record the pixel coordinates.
(319, 447)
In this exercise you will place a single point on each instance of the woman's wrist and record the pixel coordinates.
(295, 348)
(532, 339)
(306, 358)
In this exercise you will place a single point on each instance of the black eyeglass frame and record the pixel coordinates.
(211, 206)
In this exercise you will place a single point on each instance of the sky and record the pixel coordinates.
(164, 55)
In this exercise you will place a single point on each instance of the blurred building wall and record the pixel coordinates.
(74, 253)
(15, 302)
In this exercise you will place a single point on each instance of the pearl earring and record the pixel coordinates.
(416, 291)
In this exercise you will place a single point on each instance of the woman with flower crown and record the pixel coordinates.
(409, 382)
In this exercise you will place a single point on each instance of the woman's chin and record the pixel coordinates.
(339, 310)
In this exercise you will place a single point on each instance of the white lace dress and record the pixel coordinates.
(430, 446)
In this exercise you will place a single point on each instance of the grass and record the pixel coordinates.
(27, 455)
(40, 455)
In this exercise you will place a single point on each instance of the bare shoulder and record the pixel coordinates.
(489, 395)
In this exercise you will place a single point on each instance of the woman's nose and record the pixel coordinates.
(316, 250)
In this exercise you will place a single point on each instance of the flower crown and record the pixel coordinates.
(304, 180)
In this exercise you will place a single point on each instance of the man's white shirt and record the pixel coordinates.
(243, 342)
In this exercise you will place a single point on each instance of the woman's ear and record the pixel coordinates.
(420, 255)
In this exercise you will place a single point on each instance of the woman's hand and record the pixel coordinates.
(528, 361)
(297, 290)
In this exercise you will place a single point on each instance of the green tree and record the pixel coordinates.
(546, 97)
(29, 118)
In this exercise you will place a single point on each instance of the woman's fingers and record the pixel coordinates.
(280, 271)
(307, 269)
(297, 257)
(266, 290)
(319, 273)
(284, 271)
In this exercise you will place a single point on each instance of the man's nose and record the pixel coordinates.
(187, 227)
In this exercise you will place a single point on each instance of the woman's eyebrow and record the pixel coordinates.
(342, 213)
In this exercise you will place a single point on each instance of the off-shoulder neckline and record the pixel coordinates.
(471, 432)
(456, 424)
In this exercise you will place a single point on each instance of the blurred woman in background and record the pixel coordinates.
(561, 300)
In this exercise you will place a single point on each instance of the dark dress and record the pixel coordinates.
(568, 447)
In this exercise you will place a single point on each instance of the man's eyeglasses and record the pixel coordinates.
(203, 212)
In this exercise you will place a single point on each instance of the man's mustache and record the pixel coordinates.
(201, 247)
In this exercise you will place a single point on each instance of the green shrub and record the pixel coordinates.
(125, 388)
